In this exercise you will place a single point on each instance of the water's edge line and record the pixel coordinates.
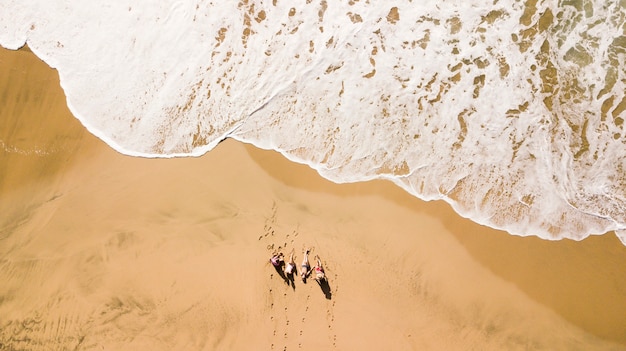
(319, 168)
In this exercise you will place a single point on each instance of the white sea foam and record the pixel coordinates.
(511, 111)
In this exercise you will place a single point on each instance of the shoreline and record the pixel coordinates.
(172, 253)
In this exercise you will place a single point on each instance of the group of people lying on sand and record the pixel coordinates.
(278, 262)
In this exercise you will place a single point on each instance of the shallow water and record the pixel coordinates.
(511, 111)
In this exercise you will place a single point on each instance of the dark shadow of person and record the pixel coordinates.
(281, 272)
(291, 280)
(323, 283)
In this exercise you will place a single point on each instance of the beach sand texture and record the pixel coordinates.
(101, 251)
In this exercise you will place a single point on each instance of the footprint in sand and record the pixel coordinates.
(330, 315)
(330, 318)
(271, 298)
(304, 318)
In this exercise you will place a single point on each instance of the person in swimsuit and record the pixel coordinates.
(291, 271)
(306, 267)
(277, 260)
(291, 265)
(319, 270)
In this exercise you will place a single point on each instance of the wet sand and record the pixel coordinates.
(104, 251)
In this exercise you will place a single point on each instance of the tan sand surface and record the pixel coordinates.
(100, 251)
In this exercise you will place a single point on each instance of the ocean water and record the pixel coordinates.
(511, 111)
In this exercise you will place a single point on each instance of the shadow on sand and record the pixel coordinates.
(323, 283)
(281, 273)
(291, 280)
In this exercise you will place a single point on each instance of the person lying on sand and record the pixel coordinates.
(306, 267)
(277, 260)
(319, 270)
(291, 265)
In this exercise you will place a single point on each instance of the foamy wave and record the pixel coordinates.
(511, 112)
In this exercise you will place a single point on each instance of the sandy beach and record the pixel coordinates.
(101, 251)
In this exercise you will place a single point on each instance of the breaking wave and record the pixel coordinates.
(511, 111)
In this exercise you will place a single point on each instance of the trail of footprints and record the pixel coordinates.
(303, 324)
(283, 328)
(330, 315)
(269, 234)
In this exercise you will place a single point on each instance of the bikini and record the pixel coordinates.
(319, 273)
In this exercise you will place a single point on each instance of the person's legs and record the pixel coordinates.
(291, 265)
(319, 262)
(319, 270)
(305, 266)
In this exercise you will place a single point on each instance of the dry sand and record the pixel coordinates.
(100, 251)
